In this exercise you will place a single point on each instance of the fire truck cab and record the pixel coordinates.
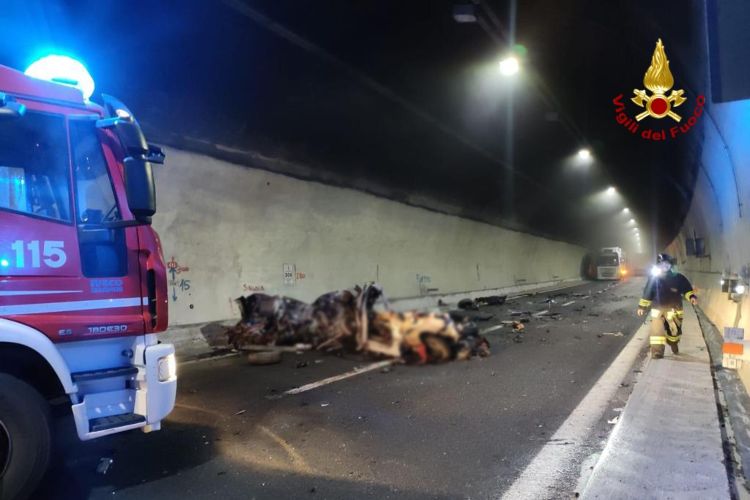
(82, 278)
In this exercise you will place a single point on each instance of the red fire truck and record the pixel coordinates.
(82, 279)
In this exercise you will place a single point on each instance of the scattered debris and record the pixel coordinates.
(462, 317)
(518, 339)
(241, 412)
(618, 410)
(324, 404)
(301, 364)
(520, 313)
(264, 358)
(613, 334)
(518, 326)
(491, 300)
(281, 348)
(614, 420)
(104, 465)
(468, 304)
(349, 320)
(481, 317)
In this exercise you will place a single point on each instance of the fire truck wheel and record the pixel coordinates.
(25, 438)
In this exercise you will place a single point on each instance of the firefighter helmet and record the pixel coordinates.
(666, 258)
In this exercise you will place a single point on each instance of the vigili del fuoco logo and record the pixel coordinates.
(659, 103)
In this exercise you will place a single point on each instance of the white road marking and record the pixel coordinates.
(336, 378)
(554, 463)
(491, 329)
(568, 303)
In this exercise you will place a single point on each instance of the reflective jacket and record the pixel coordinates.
(666, 291)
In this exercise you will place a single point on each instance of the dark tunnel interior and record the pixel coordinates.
(398, 99)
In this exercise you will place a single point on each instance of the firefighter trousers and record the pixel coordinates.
(665, 330)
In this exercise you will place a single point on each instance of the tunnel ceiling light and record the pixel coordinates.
(626, 210)
(64, 70)
(509, 66)
(584, 154)
(611, 190)
(464, 13)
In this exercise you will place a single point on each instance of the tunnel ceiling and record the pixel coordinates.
(398, 99)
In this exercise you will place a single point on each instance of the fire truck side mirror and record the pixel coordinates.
(140, 188)
(10, 108)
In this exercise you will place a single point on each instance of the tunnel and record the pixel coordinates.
(314, 146)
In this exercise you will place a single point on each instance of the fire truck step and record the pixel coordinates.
(125, 371)
(104, 423)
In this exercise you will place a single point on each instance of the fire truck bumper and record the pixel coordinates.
(140, 396)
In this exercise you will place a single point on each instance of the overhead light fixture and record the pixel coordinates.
(509, 66)
(611, 190)
(626, 210)
(464, 13)
(584, 154)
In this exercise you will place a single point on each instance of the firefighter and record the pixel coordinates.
(663, 294)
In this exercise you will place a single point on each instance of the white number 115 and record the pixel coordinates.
(54, 253)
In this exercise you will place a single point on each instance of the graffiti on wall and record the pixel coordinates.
(178, 280)
(291, 276)
(424, 281)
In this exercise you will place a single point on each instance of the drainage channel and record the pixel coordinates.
(733, 409)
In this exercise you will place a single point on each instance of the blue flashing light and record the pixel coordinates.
(64, 70)
(4, 263)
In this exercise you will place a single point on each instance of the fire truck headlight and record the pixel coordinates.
(64, 70)
(167, 368)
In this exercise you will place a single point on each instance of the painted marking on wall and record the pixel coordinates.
(288, 274)
(183, 284)
(252, 288)
(423, 282)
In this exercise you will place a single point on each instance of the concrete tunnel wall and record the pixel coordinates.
(720, 216)
(229, 230)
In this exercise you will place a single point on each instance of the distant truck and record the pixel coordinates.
(610, 264)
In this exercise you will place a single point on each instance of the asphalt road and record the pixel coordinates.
(458, 430)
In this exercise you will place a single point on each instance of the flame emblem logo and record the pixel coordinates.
(658, 79)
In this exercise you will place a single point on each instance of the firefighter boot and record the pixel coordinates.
(657, 351)
(674, 344)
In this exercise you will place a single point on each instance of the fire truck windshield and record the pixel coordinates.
(34, 175)
(95, 198)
